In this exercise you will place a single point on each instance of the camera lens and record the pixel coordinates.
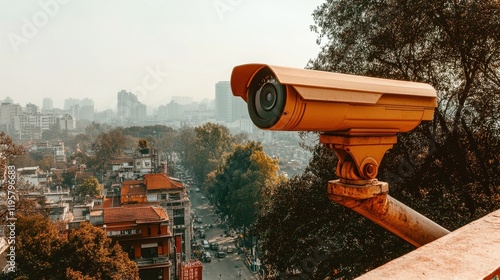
(266, 104)
(267, 97)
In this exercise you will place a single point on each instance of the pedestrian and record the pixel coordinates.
(239, 272)
(220, 276)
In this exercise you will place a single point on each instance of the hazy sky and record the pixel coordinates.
(156, 49)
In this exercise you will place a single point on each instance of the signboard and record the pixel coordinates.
(192, 270)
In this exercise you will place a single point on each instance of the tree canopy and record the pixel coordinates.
(106, 147)
(240, 182)
(45, 252)
(203, 152)
(90, 187)
(446, 169)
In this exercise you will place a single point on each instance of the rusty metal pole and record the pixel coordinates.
(372, 201)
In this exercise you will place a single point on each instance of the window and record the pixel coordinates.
(174, 196)
(149, 250)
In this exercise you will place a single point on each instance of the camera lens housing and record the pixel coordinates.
(266, 100)
(292, 99)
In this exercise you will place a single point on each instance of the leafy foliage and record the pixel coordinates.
(38, 248)
(240, 182)
(94, 255)
(304, 235)
(106, 147)
(90, 187)
(44, 252)
(447, 169)
(203, 148)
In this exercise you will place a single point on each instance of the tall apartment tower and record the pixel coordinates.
(48, 105)
(223, 96)
(227, 107)
(129, 107)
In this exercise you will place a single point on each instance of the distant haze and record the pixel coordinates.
(155, 49)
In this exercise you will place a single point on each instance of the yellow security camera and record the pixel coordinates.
(281, 98)
(358, 116)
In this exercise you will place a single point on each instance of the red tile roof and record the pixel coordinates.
(132, 182)
(134, 214)
(159, 181)
(135, 190)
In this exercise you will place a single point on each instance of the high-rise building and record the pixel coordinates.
(80, 109)
(129, 108)
(8, 111)
(48, 105)
(228, 108)
(223, 102)
(70, 102)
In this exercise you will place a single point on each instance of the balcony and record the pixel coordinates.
(161, 260)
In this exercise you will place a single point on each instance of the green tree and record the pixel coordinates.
(203, 152)
(47, 162)
(302, 232)
(184, 145)
(454, 46)
(45, 252)
(90, 187)
(55, 133)
(93, 130)
(446, 169)
(9, 151)
(91, 253)
(38, 248)
(241, 181)
(143, 143)
(107, 146)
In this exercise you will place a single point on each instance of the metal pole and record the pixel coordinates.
(372, 201)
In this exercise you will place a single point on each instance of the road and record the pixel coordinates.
(232, 264)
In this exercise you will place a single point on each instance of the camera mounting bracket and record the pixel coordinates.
(359, 153)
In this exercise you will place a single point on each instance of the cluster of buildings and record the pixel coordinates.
(27, 123)
(141, 207)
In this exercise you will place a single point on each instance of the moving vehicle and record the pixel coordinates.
(206, 257)
(205, 244)
(214, 246)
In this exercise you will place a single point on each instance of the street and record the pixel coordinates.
(227, 267)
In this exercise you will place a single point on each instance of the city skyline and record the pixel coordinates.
(156, 50)
(47, 103)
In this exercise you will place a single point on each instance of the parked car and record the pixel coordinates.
(202, 234)
(220, 254)
(205, 244)
(214, 246)
(230, 249)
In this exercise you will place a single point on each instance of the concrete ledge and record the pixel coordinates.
(470, 252)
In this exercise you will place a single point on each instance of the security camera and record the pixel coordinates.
(281, 98)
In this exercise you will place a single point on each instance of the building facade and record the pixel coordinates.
(170, 194)
(143, 233)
